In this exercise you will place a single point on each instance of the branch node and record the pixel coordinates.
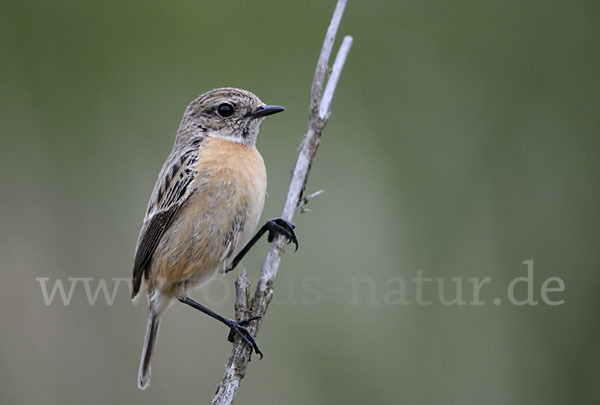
(306, 199)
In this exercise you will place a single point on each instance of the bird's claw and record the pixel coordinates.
(283, 227)
(240, 329)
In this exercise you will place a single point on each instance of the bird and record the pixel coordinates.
(204, 209)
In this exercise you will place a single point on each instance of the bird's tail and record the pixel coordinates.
(149, 344)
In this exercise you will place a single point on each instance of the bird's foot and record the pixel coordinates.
(240, 329)
(282, 227)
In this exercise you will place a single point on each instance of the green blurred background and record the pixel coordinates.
(463, 141)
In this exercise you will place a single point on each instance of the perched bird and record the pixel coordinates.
(206, 204)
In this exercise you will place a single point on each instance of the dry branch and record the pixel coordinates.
(320, 102)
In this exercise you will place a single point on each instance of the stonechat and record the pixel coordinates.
(205, 206)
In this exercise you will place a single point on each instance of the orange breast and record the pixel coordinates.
(218, 218)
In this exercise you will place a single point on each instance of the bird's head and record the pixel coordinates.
(227, 113)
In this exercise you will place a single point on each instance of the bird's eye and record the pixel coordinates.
(225, 110)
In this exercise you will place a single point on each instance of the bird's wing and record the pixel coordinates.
(170, 193)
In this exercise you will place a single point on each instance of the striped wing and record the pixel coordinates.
(170, 193)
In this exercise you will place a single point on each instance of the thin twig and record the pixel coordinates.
(340, 59)
(316, 90)
(306, 199)
(320, 103)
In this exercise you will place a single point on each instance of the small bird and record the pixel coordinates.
(206, 204)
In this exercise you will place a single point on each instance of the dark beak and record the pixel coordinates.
(267, 110)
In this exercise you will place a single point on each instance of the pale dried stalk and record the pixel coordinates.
(320, 102)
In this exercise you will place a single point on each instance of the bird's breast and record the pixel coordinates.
(220, 216)
(232, 179)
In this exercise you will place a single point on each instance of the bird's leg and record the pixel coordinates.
(235, 327)
(273, 226)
